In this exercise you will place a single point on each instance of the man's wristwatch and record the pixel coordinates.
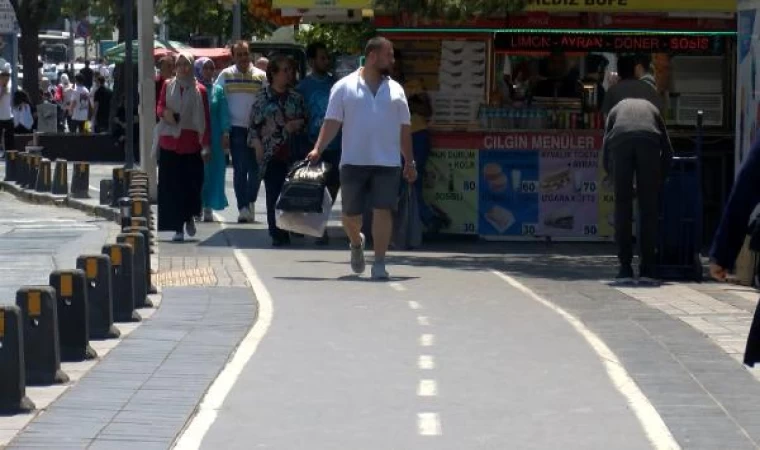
(412, 164)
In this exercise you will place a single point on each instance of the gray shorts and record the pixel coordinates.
(364, 187)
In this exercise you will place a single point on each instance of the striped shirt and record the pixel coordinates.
(240, 88)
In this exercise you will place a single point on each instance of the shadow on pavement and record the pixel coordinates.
(558, 261)
(353, 278)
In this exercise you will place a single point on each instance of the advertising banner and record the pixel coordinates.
(521, 185)
(451, 188)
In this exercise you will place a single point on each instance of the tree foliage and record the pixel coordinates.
(451, 10)
(347, 38)
(206, 18)
(108, 12)
(31, 14)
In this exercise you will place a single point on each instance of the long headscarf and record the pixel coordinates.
(200, 63)
(184, 97)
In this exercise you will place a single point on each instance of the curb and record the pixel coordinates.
(46, 198)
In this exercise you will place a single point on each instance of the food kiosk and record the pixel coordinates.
(517, 129)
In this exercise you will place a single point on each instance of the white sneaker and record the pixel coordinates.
(379, 272)
(178, 237)
(358, 264)
(190, 227)
(208, 215)
(244, 216)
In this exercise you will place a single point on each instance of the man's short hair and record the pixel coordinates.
(626, 67)
(645, 60)
(375, 44)
(100, 79)
(240, 44)
(314, 48)
(79, 78)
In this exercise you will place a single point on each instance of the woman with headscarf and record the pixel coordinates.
(213, 195)
(184, 140)
(63, 96)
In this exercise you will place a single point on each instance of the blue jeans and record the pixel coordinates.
(245, 170)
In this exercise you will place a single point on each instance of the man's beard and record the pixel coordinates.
(386, 72)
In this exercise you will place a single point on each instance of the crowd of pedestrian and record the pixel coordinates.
(261, 116)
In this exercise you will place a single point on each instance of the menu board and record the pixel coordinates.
(520, 185)
(450, 188)
(568, 192)
(543, 185)
(509, 192)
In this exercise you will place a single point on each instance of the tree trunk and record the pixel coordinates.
(29, 46)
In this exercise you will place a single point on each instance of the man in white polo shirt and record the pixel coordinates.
(374, 114)
(241, 82)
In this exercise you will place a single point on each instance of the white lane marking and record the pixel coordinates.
(414, 305)
(657, 432)
(94, 188)
(423, 320)
(426, 362)
(428, 424)
(22, 221)
(208, 410)
(427, 388)
(427, 340)
(397, 286)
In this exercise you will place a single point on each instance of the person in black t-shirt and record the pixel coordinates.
(102, 103)
(88, 75)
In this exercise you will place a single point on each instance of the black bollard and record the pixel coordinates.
(11, 165)
(21, 168)
(44, 182)
(25, 167)
(73, 324)
(42, 353)
(146, 234)
(34, 169)
(106, 192)
(138, 191)
(118, 188)
(141, 270)
(125, 211)
(141, 208)
(13, 399)
(61, 177)
(97, 270)
(123, 282)
(80, 180)
(138, 222)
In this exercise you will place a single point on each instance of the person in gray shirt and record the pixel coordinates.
(631, 86)
(636, 144)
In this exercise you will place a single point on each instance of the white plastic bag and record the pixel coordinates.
(310, 224)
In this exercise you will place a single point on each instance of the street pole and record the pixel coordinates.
(237, 21)
(147, 86)
(72, 44)
(129, 89)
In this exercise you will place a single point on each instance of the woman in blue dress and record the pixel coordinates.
(213, 195)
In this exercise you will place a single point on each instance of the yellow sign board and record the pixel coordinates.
(309, 4)
(631, 5)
